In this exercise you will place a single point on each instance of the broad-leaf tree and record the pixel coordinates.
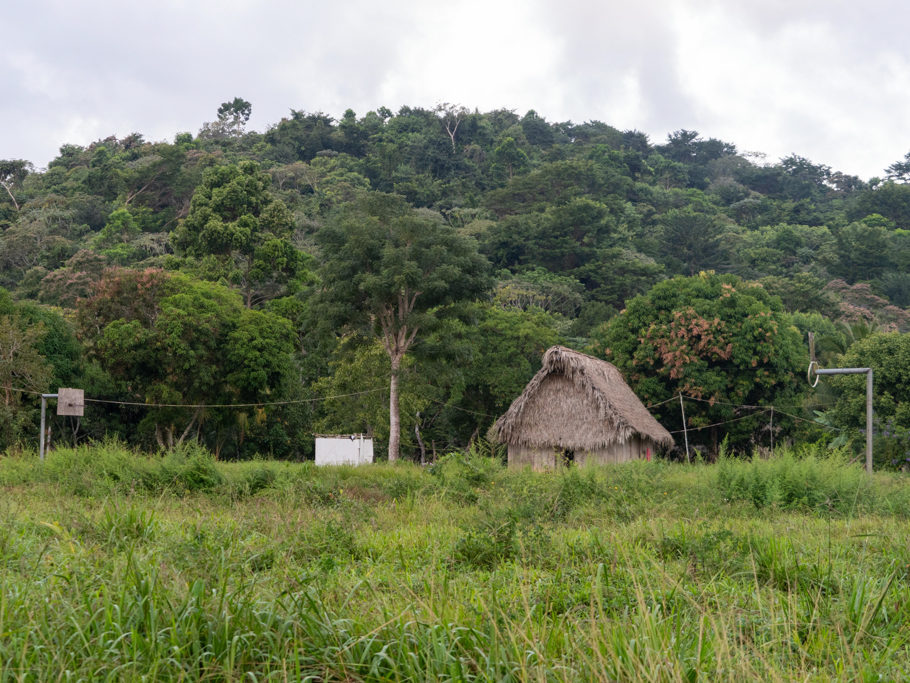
(234, 217)
(233, 115)
(38, 352)
(167, 339)
(386, 269)
(724, 342)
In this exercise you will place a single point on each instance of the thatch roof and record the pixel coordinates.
(578, 402)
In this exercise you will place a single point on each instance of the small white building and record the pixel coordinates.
(343, 449)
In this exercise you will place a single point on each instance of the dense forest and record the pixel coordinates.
(315, 271)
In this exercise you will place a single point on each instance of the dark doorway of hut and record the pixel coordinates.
(568, 457)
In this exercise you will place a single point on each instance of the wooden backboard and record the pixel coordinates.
(71, 402)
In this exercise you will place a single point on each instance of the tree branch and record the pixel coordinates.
(9, 192)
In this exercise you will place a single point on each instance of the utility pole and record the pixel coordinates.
(685, 430)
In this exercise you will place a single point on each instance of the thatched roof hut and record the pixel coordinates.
(578, 408)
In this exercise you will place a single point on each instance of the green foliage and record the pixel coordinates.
(22, 369)
(712, 337)
(387, 271)
(509, 159)
(234, 217)
(582, 239)
(464, 373)
(539, 288)
(358, 400)
(803, 293)
(169, 339)
(784, 250)
(38, 354)
(487, 545)
(863, 251)
(381, 256)
(114, 239)
(579, 218)
(810, 480)
(461, 474)
(235, 114)
(475, 363)
(891, 200)
(109, 468)
(370, 574)
(692, 239)
(888, 354)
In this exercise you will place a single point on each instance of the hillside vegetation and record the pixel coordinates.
(401, 273)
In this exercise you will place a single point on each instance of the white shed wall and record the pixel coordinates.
(344, 450)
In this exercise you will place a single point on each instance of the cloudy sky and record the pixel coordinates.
(825, 79)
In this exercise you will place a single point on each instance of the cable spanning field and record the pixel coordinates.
(118, 566)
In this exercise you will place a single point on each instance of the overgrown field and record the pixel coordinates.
(118, 566)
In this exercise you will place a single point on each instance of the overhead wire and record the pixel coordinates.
(261, 404)
(717, 424)
(258, 404)
(760, 408)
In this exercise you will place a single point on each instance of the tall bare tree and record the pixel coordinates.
(386, 271)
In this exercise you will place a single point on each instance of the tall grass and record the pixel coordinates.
(115, 566)
(809, 480)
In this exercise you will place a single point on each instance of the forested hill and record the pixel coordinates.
(241, 267)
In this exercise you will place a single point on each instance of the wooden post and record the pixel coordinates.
(772, 431)
(685, 430)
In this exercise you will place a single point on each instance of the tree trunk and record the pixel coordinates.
(16, 204)
(394, 416)
(186, 431)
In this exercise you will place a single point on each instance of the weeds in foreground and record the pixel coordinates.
(117, 566)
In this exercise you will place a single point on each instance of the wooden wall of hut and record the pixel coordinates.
(548, 458)
(538, 459)
(634, 448)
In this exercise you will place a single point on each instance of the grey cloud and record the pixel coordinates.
(159, 68)
(605, 43)
(99, 67)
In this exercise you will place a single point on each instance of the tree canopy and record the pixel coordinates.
(455, 241)
(723, 342)
(387, 269)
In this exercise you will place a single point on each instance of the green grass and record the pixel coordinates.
(116, 566)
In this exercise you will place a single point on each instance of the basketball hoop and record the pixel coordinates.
(812, 366)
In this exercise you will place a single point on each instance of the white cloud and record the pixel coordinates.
(826, 79)
(792, 88)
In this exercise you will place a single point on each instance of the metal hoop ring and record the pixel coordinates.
(809, 374)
